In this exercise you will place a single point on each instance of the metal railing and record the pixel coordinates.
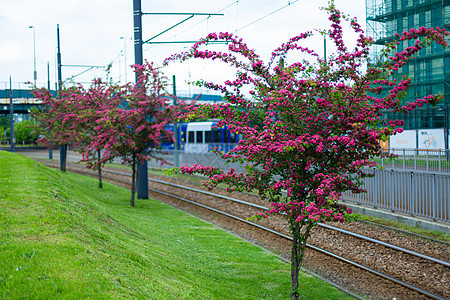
(417, 159)
(416, 193)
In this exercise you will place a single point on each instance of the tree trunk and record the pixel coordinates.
(100, 182)
(295, 262)
(298, 251)
(133, 183)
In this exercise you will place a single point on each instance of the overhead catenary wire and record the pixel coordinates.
(269, 14)
(205, 19)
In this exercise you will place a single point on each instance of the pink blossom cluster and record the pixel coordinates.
(303, 212)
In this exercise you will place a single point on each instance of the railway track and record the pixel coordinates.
(384, 271)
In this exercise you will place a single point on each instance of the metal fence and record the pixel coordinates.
(417, 159)
(421, 194)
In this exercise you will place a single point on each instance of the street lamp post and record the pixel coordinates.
(34, 54)
(12, 139)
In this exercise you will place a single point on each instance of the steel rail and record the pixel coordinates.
(447, 264)
(406, 232)
(387, 245)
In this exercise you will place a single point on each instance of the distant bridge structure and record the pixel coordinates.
(23, 101)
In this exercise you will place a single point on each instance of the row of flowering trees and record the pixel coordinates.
(321, 121)
(107, 121)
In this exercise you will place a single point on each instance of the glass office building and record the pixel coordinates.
(430, 69)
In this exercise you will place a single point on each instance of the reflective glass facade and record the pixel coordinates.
(430, 70)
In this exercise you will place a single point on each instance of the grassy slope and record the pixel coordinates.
(62, 237)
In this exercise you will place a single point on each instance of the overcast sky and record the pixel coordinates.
(91, 32)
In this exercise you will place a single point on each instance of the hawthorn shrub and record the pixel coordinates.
(322, 122)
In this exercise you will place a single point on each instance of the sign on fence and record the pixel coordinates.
(431, 139)
(406, 139)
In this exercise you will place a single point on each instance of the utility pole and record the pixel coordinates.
(50, 150)
(58, 58)
(12, 139)
(142, 180)
(48, 76)
(175, 127)
(63, 148)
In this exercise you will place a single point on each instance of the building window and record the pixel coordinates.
(411, 20)
(436, 16)
(428, 70)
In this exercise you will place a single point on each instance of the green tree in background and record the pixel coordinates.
(24, 132)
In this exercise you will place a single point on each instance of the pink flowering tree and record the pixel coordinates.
(134, 126)
(322, 122)
(56, 117)
(71, 119)
(88, 107)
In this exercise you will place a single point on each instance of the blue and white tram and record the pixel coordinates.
(201, 137)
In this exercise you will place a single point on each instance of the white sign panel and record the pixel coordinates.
(406, 139)
(431, 139)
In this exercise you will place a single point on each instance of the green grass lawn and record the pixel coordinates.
(62, 237)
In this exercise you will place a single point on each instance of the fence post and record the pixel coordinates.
(439, 161)
(375, 189)
(411, 194)
(393, 166)
(391, 187)
(426, 151)
(434, 198)
(415, 161)
(404, 158)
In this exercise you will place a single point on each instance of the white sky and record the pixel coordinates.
(91, 31)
